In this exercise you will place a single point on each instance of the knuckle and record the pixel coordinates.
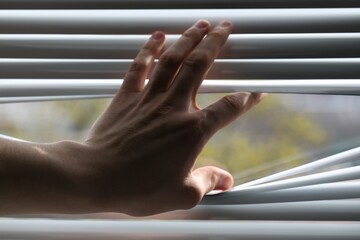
(198, 60)
(192, 196)
(190, 33)
(190, 129)
(192, 121)
(150, 49)
(213, 179)
(211, 117)
(233, 103)
(164, 109)
(217, 35)
(195, 126)
(170, 60)
(138, 66)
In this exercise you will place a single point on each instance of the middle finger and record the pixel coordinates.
(197, 64)
(171, 59)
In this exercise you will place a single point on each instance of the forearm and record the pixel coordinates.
(37, 178)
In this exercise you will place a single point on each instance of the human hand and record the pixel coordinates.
(145, 144)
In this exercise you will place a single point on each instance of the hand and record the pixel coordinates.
(139, 156)
(145, 144)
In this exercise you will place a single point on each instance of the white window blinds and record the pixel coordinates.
(75, 49)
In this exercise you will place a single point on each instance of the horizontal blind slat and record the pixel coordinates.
(99, 87)
(191, 229)
(332, 210)
(176, 21)
(173, 4)
(346, 174)
(28, 99)
(326, 191)
(344, 68)
(342, 157)
(314, 45)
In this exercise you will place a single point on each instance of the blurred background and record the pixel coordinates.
(282, 132)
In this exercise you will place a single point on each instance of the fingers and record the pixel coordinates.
(207, 179)
(198, 62)
(135, 77)
(172, 58)
(227, 109)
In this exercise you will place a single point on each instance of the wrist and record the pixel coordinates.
(79, 168)
(46, 178)
(88, 169)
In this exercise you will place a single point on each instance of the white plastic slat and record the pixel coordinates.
(179, 4)
(150, 229)
(333, 210)
(326, 191)
(330, 68)
(19, 88)
(346, 174)
(323, 20)
(306, 45)
(346, 156)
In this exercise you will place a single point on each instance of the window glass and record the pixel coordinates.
(282, 132)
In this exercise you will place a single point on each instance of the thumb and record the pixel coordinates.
(209, 178)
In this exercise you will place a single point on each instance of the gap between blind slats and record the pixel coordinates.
(176, 21)
(313, 45)
(173, 4)
(332, 68)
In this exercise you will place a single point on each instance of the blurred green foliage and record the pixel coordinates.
(9, 127)
(81, 114)
(261, 142)
(270, 138)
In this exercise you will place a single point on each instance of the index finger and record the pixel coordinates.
(197, 64)
(170, 61)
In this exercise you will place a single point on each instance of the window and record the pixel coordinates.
(78, 50)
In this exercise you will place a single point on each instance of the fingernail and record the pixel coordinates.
(201, 24)
(225, 24)
(225, 183)
(158, 36)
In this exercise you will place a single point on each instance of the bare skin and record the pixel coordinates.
(138, 158)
